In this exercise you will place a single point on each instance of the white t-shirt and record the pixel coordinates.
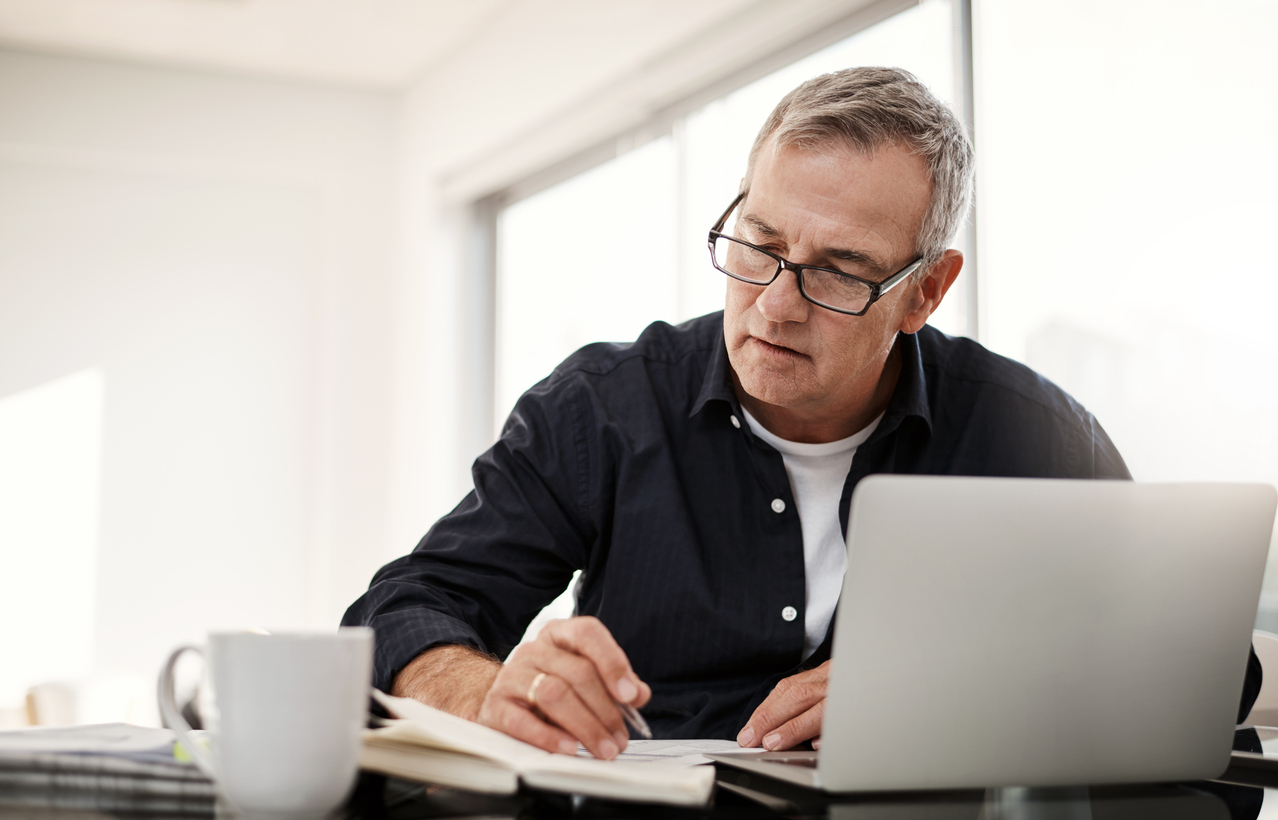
(817, 473)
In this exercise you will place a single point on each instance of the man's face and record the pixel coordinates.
(839, 208)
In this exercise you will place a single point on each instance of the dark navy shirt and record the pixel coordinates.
(631, 462)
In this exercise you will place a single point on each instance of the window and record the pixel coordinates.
(591, 259)
(600, 256)
(1125, 203)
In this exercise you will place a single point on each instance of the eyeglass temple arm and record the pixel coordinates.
(718, 226)
(893, 280)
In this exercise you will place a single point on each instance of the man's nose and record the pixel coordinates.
(782, 301)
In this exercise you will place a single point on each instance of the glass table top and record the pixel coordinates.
(1245, 792)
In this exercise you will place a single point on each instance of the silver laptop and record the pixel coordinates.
(1037, 632)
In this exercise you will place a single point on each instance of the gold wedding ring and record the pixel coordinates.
(532, 688)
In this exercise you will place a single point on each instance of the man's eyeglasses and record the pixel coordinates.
(831, 289)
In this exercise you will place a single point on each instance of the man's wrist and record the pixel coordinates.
(453, 678)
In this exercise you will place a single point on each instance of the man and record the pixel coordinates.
(701, 476)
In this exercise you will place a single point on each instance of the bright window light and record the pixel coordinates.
(589, 260)
(50, 457)
(1126, 188)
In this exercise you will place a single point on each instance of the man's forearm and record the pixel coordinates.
(452, 678)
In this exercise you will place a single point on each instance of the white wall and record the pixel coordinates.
(219, 249)
(270, 279)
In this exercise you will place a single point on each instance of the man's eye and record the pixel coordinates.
(760, 244)
(850, 269)
(755, 257)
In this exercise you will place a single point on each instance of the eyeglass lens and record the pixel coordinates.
(826, 287)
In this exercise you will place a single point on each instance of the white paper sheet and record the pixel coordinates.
(676, 752)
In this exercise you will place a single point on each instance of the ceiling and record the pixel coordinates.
(371, 43)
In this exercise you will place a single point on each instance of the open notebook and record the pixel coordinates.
(426, 744)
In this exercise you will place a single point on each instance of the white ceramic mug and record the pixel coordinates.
(286, 718)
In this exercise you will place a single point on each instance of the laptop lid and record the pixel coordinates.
(1041, 632)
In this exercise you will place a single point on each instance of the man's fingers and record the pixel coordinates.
(563, 706)
(645, 694)
(788, 700)
(791, 698)
(588, 637)
(579, 674)
(516, 720)
(583, 677)
(793, 732)
(564, 686)
(548, 714)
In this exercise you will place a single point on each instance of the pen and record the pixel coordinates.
(636, 721)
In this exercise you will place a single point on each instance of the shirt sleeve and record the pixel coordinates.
(1251, 685)
(1107, 462)
(484, 571)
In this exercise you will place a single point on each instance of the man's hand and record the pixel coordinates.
(583, 671)
(790, 714)
(561, 689)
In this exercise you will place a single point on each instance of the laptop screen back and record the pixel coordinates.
(1041, 632)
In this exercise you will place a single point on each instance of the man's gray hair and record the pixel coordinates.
(869, 108)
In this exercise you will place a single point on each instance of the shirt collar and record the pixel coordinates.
(717, 384)
(909, 398)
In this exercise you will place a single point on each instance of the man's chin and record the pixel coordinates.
(770, 385)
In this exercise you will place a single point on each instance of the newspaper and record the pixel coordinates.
(107, 767)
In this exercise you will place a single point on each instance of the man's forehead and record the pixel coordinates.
(839, 150)
(849, 251)
(848, 195)
(834, 146)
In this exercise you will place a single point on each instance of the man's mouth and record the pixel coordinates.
(778, 350)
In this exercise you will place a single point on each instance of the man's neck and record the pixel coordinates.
(821, 424)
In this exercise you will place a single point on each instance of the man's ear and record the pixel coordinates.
(931, 289)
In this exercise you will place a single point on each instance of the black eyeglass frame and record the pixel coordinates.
(877, 289)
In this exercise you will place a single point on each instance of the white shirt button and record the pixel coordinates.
(789, 613)
(736, 422)
(778, 506)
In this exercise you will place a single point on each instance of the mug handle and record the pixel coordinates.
(172, 715)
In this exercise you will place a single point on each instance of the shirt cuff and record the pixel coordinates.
(403, 635)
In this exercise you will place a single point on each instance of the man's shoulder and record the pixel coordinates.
(995, 416)
(956, 365)
(659, 374)
(688, 345)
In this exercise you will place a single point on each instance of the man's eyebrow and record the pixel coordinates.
(868, 260)
(859, 257)
(764, 229)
